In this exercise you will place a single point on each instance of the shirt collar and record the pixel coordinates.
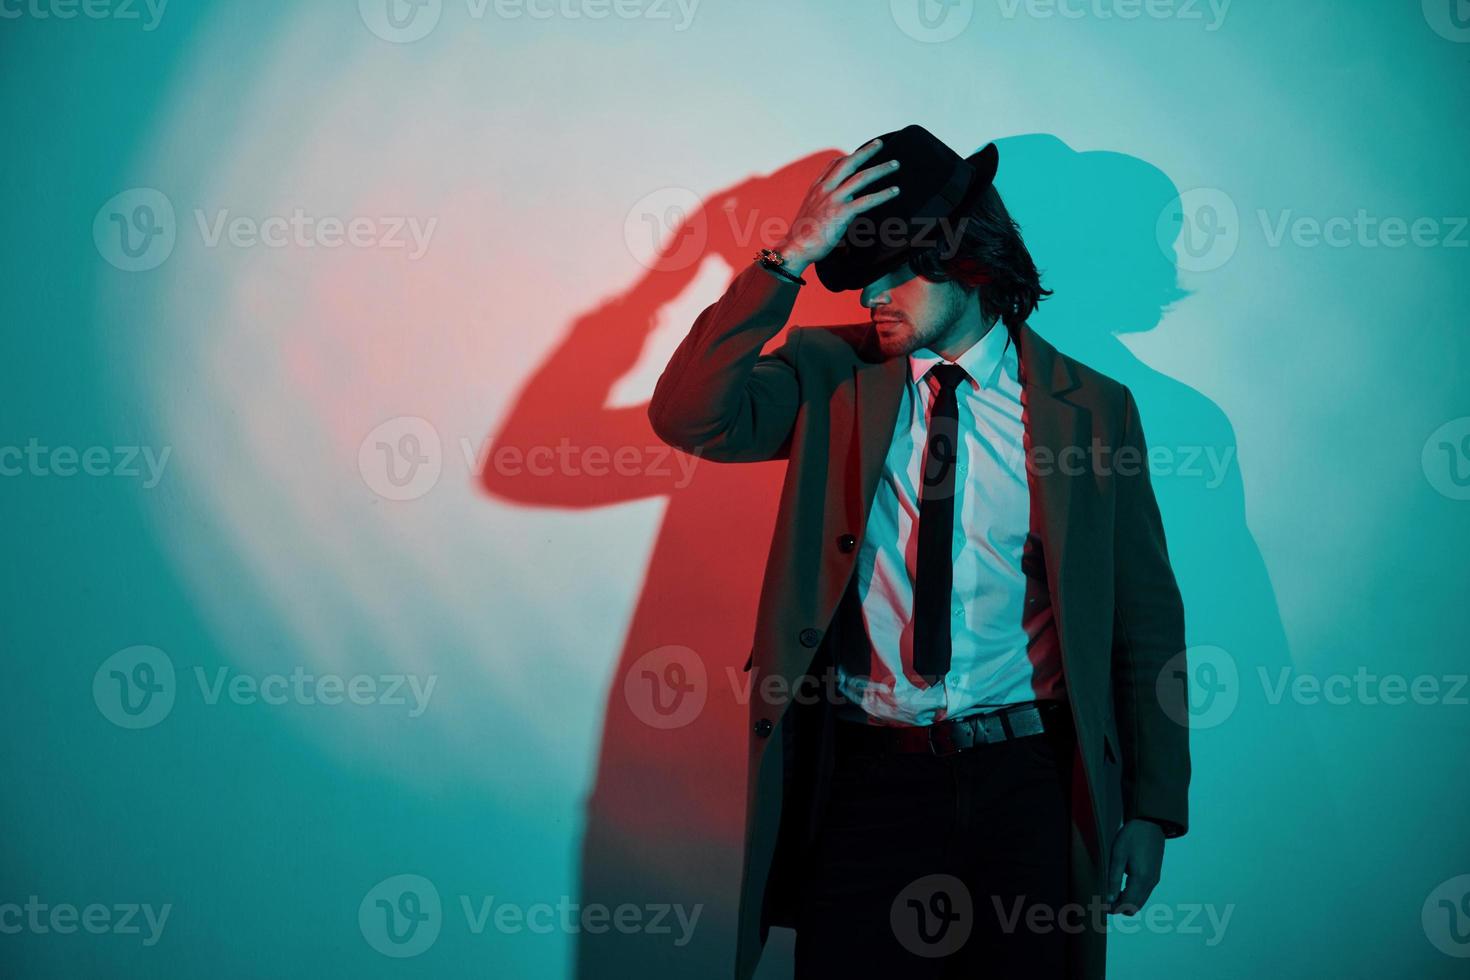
(982, 361)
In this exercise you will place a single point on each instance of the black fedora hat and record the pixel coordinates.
(938, 188)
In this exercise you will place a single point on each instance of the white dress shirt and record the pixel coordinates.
(1000, 654)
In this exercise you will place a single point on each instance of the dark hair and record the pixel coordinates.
(989, 255)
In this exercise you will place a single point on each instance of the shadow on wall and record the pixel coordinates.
(1262, 825)
(664, 821)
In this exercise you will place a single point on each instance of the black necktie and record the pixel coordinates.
(934, 570)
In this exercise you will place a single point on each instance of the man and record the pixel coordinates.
(968, 564)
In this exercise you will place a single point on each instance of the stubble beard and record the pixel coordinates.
(904, 337)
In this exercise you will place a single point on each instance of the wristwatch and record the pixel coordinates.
(771, 259)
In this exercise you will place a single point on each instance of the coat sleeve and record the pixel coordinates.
(719, 397)
(1148, 632)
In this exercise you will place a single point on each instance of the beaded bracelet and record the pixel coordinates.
(773, 260)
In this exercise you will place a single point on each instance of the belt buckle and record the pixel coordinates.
(952, 744)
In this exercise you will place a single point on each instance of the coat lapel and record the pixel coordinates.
(1053, 422)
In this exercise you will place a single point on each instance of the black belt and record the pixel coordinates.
(956, 734)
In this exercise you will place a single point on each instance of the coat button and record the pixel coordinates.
(810, 637)
(763, 727)
(847, 542)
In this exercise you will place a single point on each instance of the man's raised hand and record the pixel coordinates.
(829, 207)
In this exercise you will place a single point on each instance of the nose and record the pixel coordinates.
(874, 296)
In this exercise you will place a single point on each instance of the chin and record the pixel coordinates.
(894, 344)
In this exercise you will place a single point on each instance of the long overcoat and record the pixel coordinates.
(826, 402)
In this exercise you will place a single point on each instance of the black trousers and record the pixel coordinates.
(941, 866)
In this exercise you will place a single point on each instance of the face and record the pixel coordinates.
(910, 312)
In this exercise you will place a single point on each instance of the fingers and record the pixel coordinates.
(1138, 890)
(872, 200)
(848, 165)
(863, 178)
(1141, 881)
(1115, 875)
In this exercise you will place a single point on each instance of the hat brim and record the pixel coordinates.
(986, 161)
